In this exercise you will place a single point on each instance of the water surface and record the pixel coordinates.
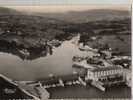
(59, 63)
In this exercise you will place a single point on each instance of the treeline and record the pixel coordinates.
(48, 28)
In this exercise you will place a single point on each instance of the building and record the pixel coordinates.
(104, 73)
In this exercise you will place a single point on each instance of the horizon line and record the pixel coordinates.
(68, 8)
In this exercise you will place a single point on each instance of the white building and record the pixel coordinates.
(104, 72)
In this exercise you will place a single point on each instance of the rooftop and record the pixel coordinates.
(106, 68)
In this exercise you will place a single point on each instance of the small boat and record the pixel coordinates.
(87, 48)
(24, 52)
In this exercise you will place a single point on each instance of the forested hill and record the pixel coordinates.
(89, 15)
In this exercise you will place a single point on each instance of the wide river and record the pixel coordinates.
(59, 63)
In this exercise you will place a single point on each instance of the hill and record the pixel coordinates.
(89, 15)
(7, 11)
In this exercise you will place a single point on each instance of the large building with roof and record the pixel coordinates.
(104, 73)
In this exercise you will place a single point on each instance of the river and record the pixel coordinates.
(59, 63)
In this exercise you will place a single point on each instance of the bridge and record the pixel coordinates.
(56, 81)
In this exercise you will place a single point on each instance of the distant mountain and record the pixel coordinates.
(90, 15)
(30, 31)
(74, 16)
(12, 21)
(7, 11)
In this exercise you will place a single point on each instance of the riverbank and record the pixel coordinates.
(28, 88)
(36, 52)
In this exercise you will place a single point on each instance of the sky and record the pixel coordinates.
(65, 5)
(67, 8)
(42, 2)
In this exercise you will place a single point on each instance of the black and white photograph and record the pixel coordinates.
(65, 52)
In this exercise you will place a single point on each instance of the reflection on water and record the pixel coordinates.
(29, 52)
(59, 63)
(70, 92)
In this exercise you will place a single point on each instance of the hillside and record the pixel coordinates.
(29, 34)
(8, 11)
(90, 15)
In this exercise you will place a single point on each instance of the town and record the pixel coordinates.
(76, 54)
(102, 70)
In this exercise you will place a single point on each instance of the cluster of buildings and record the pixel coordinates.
(104, 71)
(101, 70)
